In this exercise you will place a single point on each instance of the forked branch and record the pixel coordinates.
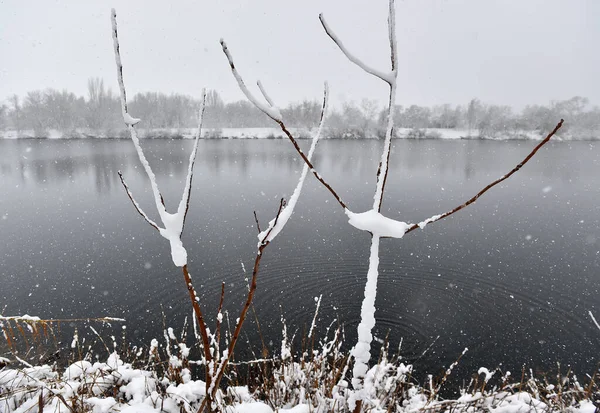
(489, 186)
(387, 77)
(173, 223)
(390, 79)
(274, 114)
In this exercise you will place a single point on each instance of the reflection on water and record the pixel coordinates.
(511, 277)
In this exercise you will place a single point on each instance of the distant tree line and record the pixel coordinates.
(98, 114)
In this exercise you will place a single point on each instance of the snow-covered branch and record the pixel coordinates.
(387, 77)
(173, 223)
(264, 93)
(390, 79)
(277, 118)
(275, 226)
(594, 319)
(270, 111)
(362, 349)
(184, 204)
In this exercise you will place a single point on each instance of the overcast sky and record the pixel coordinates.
(511, 52)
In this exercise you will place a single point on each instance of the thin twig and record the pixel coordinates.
(220, 314)
(496, 182)
(310, 165)
(201, 323)
(137, 206)
(257, 223)
(249, 299)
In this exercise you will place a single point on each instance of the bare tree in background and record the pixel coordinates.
(16, 115)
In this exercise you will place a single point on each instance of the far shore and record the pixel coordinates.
(300, 133)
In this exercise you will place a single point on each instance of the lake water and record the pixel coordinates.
(511, 277)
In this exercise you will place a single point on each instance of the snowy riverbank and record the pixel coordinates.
(149, 384)
(276, 133)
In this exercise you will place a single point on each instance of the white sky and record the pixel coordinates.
(510, 52)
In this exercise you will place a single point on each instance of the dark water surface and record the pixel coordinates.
(512, 277)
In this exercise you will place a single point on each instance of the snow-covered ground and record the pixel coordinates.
(117, 386)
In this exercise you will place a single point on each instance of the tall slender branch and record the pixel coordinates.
(130, 122)
(173, 223)
(185, 197)
(436, 218)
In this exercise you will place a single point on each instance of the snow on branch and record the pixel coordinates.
(277, 118)
(173, 223)
(270, 111)
(377, 224)
(184, 204)
(392, 35)
(390, 79)
(435, 218)
(594, 319)
(276, 225)
(264, 93)
(387, 77)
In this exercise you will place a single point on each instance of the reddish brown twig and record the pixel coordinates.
(310, 165)
(238, 328)
(220, 314)
(496, 182)
(200, 317)
(257, 223)
(135, 204)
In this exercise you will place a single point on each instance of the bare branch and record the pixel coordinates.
(265, 236)
(135, 204)
(484, 190)
(271, 112)
(220, 314)
(200, 317)
(386, 77)
(257, 223)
